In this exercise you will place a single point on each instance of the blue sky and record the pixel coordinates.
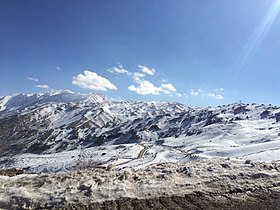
(196, 52)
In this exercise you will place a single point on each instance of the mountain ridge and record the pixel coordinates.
(63, 121)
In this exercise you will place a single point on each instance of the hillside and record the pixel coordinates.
(91, 128)
(70, 149)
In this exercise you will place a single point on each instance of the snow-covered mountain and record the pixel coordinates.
(62, 128)
(20, 101)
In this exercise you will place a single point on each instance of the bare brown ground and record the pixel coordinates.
(261, 200)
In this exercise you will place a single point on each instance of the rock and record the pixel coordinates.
(264, 114)
(277, 117)
(247, 161)
(259, 175)
(225, 165)
(83, 187)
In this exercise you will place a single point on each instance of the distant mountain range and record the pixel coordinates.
(59, 121)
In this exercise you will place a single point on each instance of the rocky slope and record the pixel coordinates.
(209, 183)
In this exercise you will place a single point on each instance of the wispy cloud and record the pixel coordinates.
(204, 94)
(167, 88)
(119, 70)
(146, 70)
(215, 96)
(42, 86)
(137, 77)
(32, 79)
(194, 93)
(142, 71)
(91, 80)
(58, 68)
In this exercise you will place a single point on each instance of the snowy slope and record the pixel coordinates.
(59, 130)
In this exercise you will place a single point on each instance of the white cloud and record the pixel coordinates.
(145, 88)
(167, 88)
(202, 93)
(194, 93)
(146, 70)
(216, 96)
(32, 79)
(90, 80)
(142, 86)
(219, 89)
(137, 77)
(119, 70)
(219, 97)
(42, 86)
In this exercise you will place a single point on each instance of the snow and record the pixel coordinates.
(245, 150)
(3, 101)
(265, 156)
(140, 133)
(46, 111)
(135, 139)
(59, 92)
(174, 150)
(114, 154)
(251, 138)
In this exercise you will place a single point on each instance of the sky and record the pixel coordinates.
(195, 52)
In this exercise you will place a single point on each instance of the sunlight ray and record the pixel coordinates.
(256, 39)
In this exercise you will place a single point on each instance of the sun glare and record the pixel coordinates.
(257, 37)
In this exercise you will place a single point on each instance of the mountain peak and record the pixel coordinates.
(20, 101)
(58, 92)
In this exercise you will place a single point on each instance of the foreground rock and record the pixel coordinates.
(207, 184)
(258, 200)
